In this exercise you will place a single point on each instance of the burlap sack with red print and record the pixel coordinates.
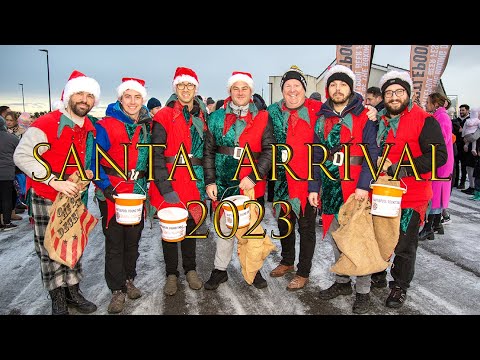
(66, 235)
(355, 238)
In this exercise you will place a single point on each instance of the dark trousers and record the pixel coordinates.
(6, 192)
(270, 187)
(403, 267)
(121, 250)
(460, 165)
(188, 248)
(306, 229)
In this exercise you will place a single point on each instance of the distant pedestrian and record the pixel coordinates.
(154, 105)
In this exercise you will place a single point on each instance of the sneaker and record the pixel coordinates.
(281, 270)
(132, 291)
(117, 303)
(10, 226)
(446, 219)
(193, 280)
(298, 282)
(171, 285)
(259, 282)
(335, 290)
(217, 277)
(396, 298)
(361, 304)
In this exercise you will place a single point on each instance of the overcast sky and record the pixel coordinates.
(213, 64)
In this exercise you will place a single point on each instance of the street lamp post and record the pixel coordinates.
(48, 74)
(23, 98)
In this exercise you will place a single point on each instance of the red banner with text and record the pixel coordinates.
(358, 58)
(427, 64)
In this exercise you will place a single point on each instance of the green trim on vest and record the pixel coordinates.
(332, 197)
(405, 219)
(280, 129)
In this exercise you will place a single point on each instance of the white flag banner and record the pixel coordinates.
(427, 64)
(358, 58)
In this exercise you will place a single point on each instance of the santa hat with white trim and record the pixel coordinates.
(401, 78)
(342, 73)
(185, 74)
(78, 82)
(132, 84)
(240, 76)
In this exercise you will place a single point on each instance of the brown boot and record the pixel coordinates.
(132, 291)
(15, 216)
(281, 270)
(117, 303)
(298, 282)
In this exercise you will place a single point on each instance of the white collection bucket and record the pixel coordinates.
(129, 208)
(386, 200)
(243, 211)
(173, 222)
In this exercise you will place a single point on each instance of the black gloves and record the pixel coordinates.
(108, 192)
(171, 197)
(401, 173)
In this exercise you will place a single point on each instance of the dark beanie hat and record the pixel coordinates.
(401, 78)
(153, 103)
(210, 101)
(294, 73)
(342, 73)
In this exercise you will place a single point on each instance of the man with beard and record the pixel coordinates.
(460, 163)
(405, 123)
(61, 128)
(343, 119)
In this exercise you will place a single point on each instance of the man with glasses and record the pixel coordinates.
(237, 123)
(402, 123)
(181, 121)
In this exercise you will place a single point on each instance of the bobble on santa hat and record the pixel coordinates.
(241, 76)
(129, 83)
(183, 74)
(78, 82)
(401, 78)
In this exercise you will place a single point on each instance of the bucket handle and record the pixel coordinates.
(404, 190)
(134, 187)
(231, 187)
(177, 203)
